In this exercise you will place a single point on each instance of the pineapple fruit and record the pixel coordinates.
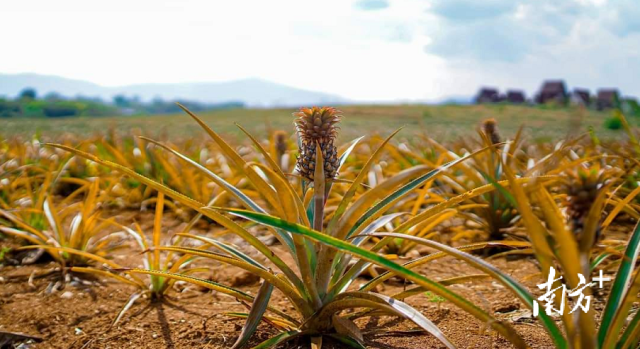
(490, 128)
(582, 190)
(317, 125)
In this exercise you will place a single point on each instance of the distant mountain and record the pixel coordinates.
(12, 84)
(253, 92)
(455, 100)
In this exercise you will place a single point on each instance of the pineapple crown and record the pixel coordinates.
(317, 124)
(592, 178)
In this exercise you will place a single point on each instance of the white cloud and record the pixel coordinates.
(410, 49)
(587, 43)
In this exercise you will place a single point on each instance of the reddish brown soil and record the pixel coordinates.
(194, 318)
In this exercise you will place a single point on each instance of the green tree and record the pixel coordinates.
(28, 94)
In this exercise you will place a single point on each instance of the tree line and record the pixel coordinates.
(53, 105)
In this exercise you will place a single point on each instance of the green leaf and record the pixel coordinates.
(281, 283)
(343, 159)
(210, 285)
(612, 319)
(348, 196)
(410, 292)
(318, 190)
(405, 311)
(631, 335)
(260, 183)
(279, 339)
(326, 256)
(258, 308)
(599, 259)
(501, 189)
(217, 179)
(225, 247)
(350, 342)
(342, 262)
(497, 274)
(437, 255)
(345, 155)
(346, 327)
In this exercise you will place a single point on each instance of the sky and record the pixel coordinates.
(369, 50)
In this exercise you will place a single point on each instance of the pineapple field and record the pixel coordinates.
(485, 226)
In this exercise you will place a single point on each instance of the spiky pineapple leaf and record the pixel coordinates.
(631, 336)
(238, 194)
(403, 310)
(503, 328)
(258, 308)
(622, 293)
(405, 189)
(210, 285)
(497, 274)
(196, 205)
(346, 340)
(280, 339)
